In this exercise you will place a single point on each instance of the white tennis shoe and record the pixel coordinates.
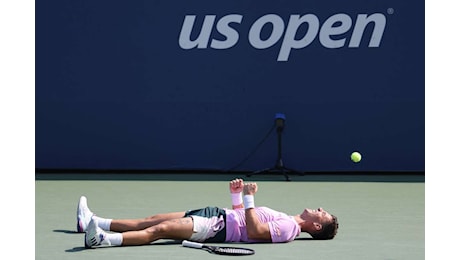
(95, 236)
(84, 215)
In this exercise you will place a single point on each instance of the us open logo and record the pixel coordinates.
(331, 34)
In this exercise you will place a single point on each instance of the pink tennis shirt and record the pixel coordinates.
(283, 228)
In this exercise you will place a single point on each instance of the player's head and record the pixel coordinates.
(328, 230)
(320, 224)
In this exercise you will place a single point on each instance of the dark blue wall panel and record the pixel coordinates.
(115, 89)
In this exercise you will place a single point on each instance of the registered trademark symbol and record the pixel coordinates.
(390, 11)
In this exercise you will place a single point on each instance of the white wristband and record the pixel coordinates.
(237, 199)
(248, 201)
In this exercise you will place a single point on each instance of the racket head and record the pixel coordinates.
(227, 250)
(220, 250)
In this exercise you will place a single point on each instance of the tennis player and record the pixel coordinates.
(243, 223)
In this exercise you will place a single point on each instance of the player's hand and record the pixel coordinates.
(236, 186)
(250, 188)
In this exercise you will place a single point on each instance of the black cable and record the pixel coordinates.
(254, 150)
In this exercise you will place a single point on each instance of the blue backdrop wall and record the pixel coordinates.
(196, 84)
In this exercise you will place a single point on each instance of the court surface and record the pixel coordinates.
(380, 217)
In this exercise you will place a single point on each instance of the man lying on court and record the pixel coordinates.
(243, 223)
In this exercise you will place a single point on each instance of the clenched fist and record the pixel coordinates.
(250, 188)
(236, 186)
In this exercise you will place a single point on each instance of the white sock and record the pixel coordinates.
(115, 239)
(103, 223)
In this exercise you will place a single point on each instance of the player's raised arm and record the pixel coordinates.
(236, 187)
(255, 229)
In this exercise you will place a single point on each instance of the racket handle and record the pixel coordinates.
(187, 243)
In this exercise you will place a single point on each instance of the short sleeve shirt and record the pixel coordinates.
(283, 228)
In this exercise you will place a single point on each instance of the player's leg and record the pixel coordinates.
(180, 228)
(208, 224)
(122, 225)
(84, 216)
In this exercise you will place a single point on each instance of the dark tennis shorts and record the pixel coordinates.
(208, 224)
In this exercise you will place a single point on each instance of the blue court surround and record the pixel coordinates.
(116, 90)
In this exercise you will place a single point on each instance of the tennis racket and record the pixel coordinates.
(220, 250)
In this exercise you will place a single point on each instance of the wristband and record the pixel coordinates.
(248, 201)
(237, 199)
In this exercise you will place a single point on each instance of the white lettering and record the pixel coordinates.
(230, 34)
(256, 28)
(331, 34)
(362, 21)
(328, 29)
(289, 41)
(202, 40)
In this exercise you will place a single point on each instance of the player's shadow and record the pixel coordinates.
(168, 242)
(82, 248)
(76, 249)
(66, 231)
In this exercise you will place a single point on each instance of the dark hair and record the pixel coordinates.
(328, 231)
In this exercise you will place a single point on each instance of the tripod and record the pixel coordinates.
(279, 167)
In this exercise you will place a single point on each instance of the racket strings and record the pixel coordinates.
(235, 251)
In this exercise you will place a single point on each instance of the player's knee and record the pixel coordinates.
(159, 229)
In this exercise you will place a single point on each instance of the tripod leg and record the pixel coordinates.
(258, 172)
(283, 171)
(286, 176)
(295, 172)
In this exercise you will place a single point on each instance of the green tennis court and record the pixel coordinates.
(380, 216)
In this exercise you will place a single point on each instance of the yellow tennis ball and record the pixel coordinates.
(355, 157)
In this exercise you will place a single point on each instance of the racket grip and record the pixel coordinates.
(187, 243)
